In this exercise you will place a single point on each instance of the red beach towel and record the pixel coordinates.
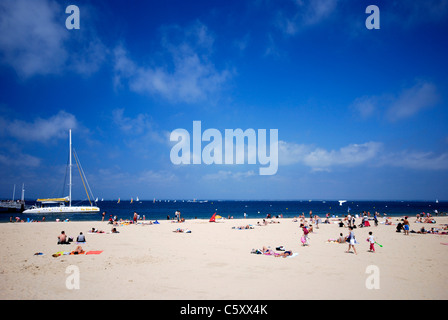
(93, 252)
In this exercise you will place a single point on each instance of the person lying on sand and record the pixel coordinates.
(269, 252)
(179, 230)
(243, 227)
(78, 250)
(284, 254)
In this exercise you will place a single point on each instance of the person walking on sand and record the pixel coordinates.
(351, 241)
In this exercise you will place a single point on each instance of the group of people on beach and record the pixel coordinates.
(81, 238)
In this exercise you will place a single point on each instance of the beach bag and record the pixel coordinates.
(303, 239)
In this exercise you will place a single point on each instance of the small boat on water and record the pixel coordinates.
(64, 205)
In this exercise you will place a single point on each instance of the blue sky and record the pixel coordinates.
(361, 114)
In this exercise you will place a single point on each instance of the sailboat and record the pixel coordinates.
(59, 205)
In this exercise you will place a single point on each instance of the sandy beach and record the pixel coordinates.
(214, 261)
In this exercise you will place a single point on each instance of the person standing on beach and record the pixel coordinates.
(406, 226)
(351, 240)
(371, 240)
(305, 237)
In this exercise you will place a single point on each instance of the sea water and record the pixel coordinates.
(204, 209)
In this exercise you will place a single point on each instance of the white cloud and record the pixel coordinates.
(411, 101)
(18, 159)
(90, 58)
(224, 175)
(291, 153)
(320, 159)
(151, 176)
(31, 37)
(416, 160)
(40, 130)
(365, 107)
(35, 41)
(406, 104)
(318, 10)
(141, 125)
(369, 153)
(192, 77)
(304, 14)
(351, 155)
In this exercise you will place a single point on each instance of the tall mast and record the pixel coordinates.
(70, 166)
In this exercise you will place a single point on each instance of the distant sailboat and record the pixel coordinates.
(137, 199)
(118, 200)
(132, 200)
(341, 202)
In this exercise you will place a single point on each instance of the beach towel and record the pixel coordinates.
(60, 253)
(94, 252)
(295, 254)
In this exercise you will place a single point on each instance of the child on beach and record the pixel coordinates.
(371, 240)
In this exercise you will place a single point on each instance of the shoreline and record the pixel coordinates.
(48, 218)
(214, 261)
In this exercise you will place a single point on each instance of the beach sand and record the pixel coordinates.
(215, 261)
